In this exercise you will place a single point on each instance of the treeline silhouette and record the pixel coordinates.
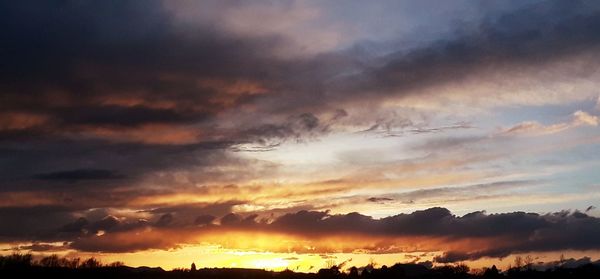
(53, 266)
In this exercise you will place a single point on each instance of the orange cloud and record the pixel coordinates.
(147, 133)
(21, 120)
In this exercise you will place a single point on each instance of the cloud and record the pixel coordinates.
(39, 222)
(204, 220)
(269, 136)
(126, 88)
(469, 192)
(42, 247)
(566, 263)
(434, 229)
(379, 199)
(533, 128)
(584, 118)
(130, 103)
(124, 242)
(192, 214)
(80, 174)
(533, 37)
(216, 87)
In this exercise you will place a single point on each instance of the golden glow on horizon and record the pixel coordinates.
(211, 256)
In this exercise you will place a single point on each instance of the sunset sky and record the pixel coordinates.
(283, 134)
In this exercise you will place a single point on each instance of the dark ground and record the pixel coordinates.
(23, 266)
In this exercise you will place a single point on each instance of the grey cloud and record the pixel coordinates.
(519, 232)
(464, 192)
(87, 161)
(379, 199)
(448, 194)
(42, 247)
(230, 219)
(77, 226)
(522, 232)
(269, 136)
(566, 263)
(80, 174)
(531, 35)
(130, 66)
(121, 65)
(165, 220)
(204, 220)
(190, 214)
(40, 222)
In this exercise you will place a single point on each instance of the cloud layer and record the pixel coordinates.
(182, 120)
(468, 237)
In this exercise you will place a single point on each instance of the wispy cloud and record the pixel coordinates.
(534, 128)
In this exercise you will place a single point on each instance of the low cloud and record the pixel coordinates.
(434, 229)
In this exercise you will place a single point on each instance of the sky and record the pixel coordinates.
(289, 134)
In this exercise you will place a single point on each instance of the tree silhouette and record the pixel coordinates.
(518, 262)
(53, 266)
(91, 263)
(50, 261)
(528, 262)
(491, 272)
(353, 272)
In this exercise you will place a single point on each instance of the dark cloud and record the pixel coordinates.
(199, 214)
(104, 71)
(131, 65)
(379, 199)
(94, 163)
(111, 115)
(165, 220)
(93, 91)
(231, 219)
(29, 223)
(204, 220)
(269, 136)
(533, 36)
(566, 263)
(120, 244)
(503, 234)
(508, 232)
(42, 247)
(119, 65)
(80, 174)
(77, 226)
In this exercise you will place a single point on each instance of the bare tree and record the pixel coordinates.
(330, 263)
(50, 261)
(91, 263)
(518, 262)
(116, 264)
(528, 261)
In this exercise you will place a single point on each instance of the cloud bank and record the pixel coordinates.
(162, 120)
